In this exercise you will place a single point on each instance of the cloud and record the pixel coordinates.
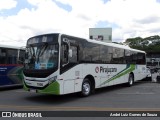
(149, 20)
(32, 22)
(134, 17)
(7, 4)
(128, 18)
(46, 17)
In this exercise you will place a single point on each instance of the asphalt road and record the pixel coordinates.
(142, 96)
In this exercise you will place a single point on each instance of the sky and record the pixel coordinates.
(22, 19)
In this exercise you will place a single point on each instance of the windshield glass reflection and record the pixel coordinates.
(42, 56)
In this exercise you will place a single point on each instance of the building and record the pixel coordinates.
(153, 59)
(101, 34)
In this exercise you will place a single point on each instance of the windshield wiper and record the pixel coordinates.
(41, 51)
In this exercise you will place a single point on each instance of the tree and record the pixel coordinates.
(148, 44)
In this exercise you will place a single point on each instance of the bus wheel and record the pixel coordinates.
(86, 88)
(130, 80)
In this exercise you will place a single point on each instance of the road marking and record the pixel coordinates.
(148, 86)
(76, 108)
(136, 93)
(21, 91)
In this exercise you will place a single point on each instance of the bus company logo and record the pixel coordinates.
(105, 70)
(97, 69)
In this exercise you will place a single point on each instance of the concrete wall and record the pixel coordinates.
(101, 34)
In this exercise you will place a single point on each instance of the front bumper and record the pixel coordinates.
(53, 88)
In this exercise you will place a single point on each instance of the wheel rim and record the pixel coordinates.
(86, 88)
(131, 80)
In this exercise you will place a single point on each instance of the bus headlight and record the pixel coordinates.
(52, 79)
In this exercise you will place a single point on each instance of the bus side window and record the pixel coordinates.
(22, 55)
(74, 57)
(12, 55)
(3, 56)
(64, 54)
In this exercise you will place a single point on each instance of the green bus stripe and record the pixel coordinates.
(128, 69)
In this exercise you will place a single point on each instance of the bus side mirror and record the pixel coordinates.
(70, 53)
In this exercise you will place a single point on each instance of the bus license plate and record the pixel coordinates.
(33, 90)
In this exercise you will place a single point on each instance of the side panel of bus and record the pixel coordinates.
(10, 69)
(107, 65)
(10, 75)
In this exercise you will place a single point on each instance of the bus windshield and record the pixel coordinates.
(41, 56)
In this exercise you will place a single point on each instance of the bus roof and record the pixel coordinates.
(109, 44)
(11, 47)
(100, 42)
(114, 45)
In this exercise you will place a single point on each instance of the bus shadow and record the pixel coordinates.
(119, 87)
(56, 99)
(11, 87)
(109, 89)
(52, 99)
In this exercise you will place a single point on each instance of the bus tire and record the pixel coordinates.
(130, 80)
(86, 88)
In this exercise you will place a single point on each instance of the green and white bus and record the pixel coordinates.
(62, 64)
